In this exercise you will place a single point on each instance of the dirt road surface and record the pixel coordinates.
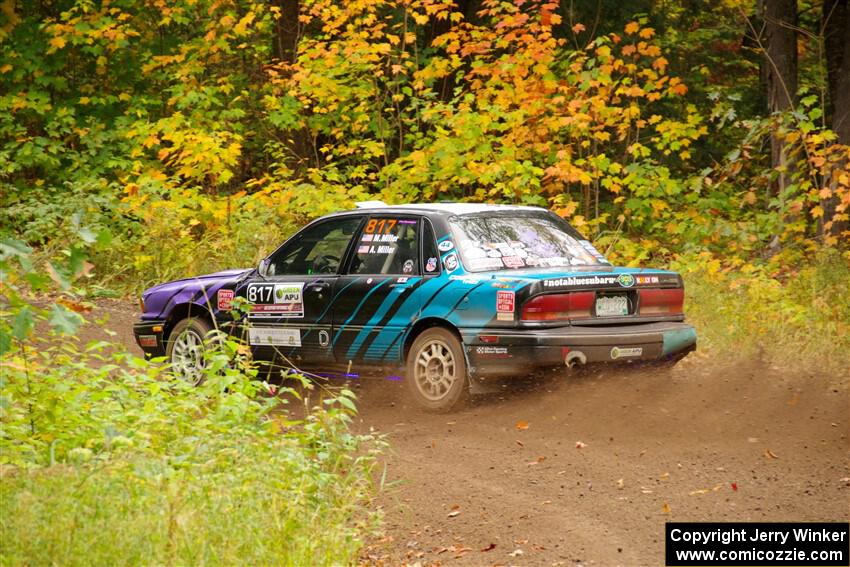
(585, 470)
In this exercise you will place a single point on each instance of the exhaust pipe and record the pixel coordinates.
(575, 358)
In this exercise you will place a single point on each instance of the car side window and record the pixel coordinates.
(430, 256)
(387, 246)
(316, 250)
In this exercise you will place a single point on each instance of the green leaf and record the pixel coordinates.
(64, 320)
(23, 323)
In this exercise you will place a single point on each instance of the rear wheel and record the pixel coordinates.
(436, 370)
(185, 349)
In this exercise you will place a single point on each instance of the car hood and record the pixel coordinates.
(157, 297)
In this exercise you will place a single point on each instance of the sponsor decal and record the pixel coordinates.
(408, 267)
(626, 280)
(324, 338)
(471, 280)
(148, 341)
(582, 280)
(225, 299)
(513, 261)
(276, 300)
(274, 336)
(619, 352)
(402, 279)
(485, 264)
(451, 262)
(505, 303)
(647, 280)
(431, 265)
(445, 246)
(492, 351)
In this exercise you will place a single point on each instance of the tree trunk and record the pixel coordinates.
(287, 31)
(836, 27)
(780, 75)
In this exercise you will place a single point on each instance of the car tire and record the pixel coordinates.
(185, 348)
(436, 370)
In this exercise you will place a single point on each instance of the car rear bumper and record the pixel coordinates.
(504, 352)
(150, 337)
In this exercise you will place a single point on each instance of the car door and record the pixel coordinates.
(290, 317)
(379, 301)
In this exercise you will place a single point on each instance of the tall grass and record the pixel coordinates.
(800, 318)
(105, 460)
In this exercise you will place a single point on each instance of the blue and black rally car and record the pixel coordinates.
(456, 293)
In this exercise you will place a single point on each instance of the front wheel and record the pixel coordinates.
(436, 370)
(185, 349)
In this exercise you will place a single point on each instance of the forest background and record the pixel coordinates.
(186, 136)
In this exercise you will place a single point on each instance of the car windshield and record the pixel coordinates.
(490, 242)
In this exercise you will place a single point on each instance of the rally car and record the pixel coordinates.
(456, 294)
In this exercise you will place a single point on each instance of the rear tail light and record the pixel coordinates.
(662, 301)
(558, 306)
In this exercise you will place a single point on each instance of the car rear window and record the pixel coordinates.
(490, 242)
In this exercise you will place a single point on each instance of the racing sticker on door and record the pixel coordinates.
(276, 299)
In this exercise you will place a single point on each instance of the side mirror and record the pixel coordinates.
(263, 268)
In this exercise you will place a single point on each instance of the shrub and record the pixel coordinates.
(106, 459)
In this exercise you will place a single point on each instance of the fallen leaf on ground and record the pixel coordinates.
(521, 425)
(735, 486)
(516, 553)
(665, 508)
(770, 454)
(620, 484)
(490, 547)
(520, 443)
(664, 476)
(580, 445)
(701, 491)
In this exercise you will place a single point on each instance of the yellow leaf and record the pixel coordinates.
(647, 33)
(5, 68)
(817, 212)
(57, 42)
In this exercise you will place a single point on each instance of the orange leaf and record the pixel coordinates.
(647, 33)
(632, 27)
(521, 425)
(578, 28)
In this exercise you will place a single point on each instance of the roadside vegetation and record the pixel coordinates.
(141, 142)
(107, 459)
